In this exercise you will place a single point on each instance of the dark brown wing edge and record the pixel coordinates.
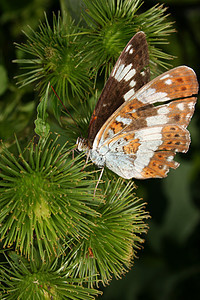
(136, 56)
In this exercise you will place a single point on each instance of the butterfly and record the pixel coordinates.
(138, 125)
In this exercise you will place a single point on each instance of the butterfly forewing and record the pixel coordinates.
(129, 74)
(140, 140)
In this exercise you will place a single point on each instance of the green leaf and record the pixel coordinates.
(42, 127)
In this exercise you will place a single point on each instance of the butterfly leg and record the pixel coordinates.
(95, 189)
(72, 157)
(87, 158)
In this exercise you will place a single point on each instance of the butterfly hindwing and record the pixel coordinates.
(130, 72)
(135, 114)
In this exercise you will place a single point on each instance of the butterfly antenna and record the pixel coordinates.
(66, 109)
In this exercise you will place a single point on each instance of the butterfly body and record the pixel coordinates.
(140, 138)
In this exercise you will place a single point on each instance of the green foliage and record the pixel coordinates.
(69, 56)
(44, 198)
(116, 235)
(19, 14)
(3, 80)
(67, 237)
(113, 23)
(55, 57)
(48, 203)
(36, 279)
(70, 241)
(14, 114)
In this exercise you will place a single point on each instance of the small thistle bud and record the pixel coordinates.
(55, 57)
(113, 24)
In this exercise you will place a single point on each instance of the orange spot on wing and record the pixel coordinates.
(132, 147)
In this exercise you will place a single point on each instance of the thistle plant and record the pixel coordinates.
(116, 236)
(55, 53)
(113, 23)
(60, 239)
(44, 198)
(23, 279)
(70, 56)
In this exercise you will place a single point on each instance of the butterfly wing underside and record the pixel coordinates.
(131, 64)
(140, 140)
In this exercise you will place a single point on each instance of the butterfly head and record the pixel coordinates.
(82, 144)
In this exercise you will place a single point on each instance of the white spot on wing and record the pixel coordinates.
(148, 133)
(125, 121)
(128, 47)
(176, 164)
(165, 76)
(188, 116)
(131, 51)
(180, 106)
(130, 74)
(168, 81)
(151, 96)
(191, 105)
(143, 156)
(120, 69)
(157, 120)
(170, 158)
(163, 110)
(120, 76)
(125, 168)
(129, 94)
(150, 139)
(132, 83)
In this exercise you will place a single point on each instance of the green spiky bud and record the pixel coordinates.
(22, 279)
(45, 198)
(111, 247)
(55, 56)
(114, 23)
(68, 56)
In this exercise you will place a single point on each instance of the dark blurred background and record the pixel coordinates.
(168, 268)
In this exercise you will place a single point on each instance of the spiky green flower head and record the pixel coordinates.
(23, 279)
(53, 54)
(117, 235)
(114, 22)
(45, 198)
